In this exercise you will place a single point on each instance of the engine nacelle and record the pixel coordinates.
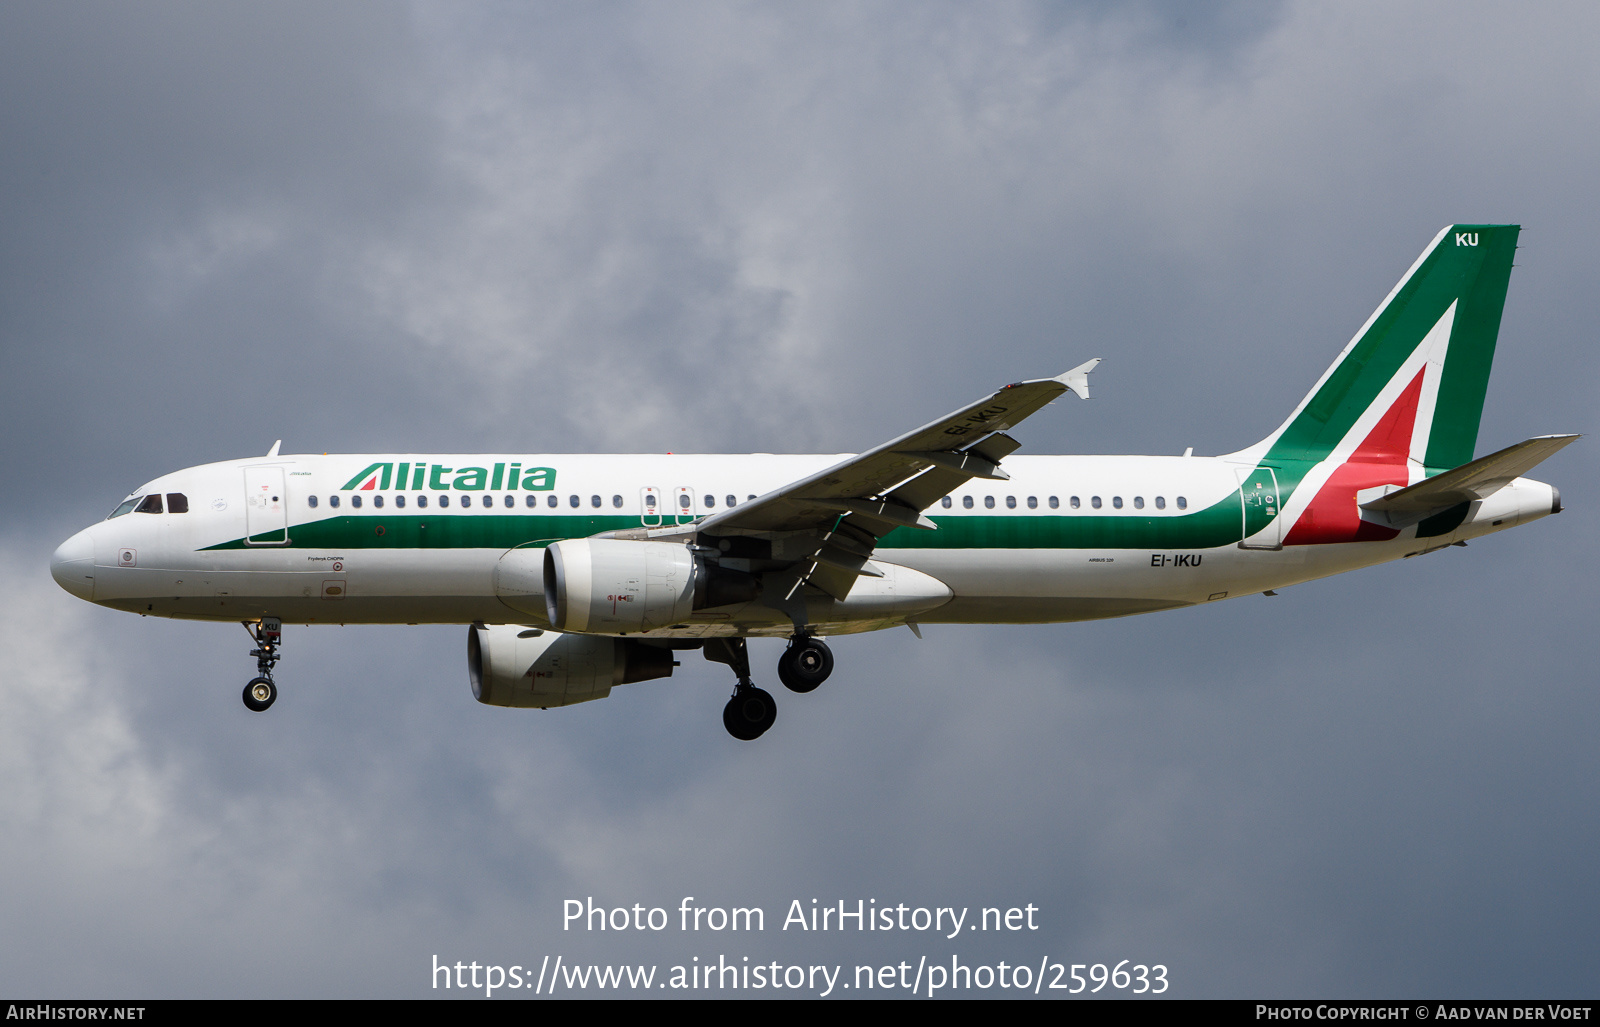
(615, 585)
(509, 665)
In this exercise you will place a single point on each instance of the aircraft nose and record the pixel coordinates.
(72, 565)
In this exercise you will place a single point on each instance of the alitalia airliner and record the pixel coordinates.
(576, 574)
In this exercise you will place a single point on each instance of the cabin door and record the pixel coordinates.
(266, 507)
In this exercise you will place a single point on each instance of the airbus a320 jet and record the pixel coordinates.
(576, 574)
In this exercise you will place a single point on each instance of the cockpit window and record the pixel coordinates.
(151, 504)
(126, 506)
(177, 502)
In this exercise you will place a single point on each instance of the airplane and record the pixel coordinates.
(576, 574)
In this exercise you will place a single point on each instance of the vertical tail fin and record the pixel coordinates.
(1409, 387)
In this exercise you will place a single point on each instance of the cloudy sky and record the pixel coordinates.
(788, 227)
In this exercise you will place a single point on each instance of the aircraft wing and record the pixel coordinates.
(830, 522)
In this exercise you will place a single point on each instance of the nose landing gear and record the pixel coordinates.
(261, 693)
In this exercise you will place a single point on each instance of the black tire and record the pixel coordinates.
(805, 664)
(749, 713)
(260, 694)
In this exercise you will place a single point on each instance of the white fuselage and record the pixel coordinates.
(1066, 538)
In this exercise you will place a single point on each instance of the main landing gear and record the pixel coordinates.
(261, 693)
(805, 664)
(751, 710)
(802, 667)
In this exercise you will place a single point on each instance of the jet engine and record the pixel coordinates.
(620, 585)
(510, 665)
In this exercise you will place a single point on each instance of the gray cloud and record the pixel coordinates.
(636, 227)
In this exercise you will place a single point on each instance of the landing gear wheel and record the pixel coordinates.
(749, 713)
(259, 694)
(805, 664)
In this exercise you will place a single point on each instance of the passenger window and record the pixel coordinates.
(616, 502)
(1138, 502)
(533, 501)
(377, 501)
(1033, 502)
(127, 505)
(711, 501)
(486, 501)
(552, 502)
(1161, 502)
(594, 501)
(151, 504)
(311, 501)
(511, 501)
(444, 499)
(333, 500)
(1011, 502)
(355, 501)
(422, 502)
(650, 502)
(1094, 501)
(1116, 501)
(573, 502)
(752, 497)
(988, 502)
(1075, 503)
(1183, 504)
(400, 501)
(1054, 503)
(177, 502)
(731, 501)
(683, 501)
(966, 502)
(945, 502)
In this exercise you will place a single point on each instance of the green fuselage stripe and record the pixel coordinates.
(1216, 525)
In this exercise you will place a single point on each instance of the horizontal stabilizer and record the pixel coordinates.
(1471, 481)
